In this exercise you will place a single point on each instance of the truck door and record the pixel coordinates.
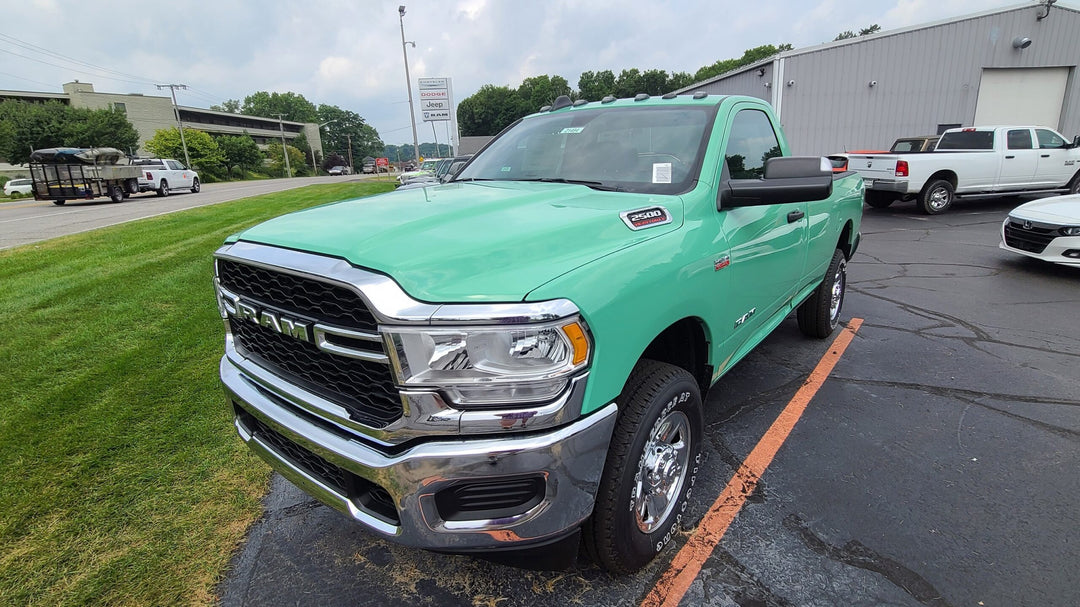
(180, 175)
(1057, 163)
(1019, 160)
(767, 243)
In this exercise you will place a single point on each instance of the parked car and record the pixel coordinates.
(18, 186)
(1046, 229)
(163, 175)
(446, 170)
(369, 167)
(990, 160)
(338, 170)
(427, 167)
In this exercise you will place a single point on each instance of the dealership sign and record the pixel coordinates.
(435, 101)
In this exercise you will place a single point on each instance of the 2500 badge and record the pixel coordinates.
(645, 218)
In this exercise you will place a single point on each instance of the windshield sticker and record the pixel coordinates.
(645, 218)
(572, 130)
(661, 172)
(506, 169)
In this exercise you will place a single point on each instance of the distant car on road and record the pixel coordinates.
(1046, 229)
(18, 186)
(338, 170)
(163, 175)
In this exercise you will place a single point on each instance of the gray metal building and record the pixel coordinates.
(1014, 65)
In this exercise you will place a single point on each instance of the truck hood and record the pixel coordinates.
(463, 242)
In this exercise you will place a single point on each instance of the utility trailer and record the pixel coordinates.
(62, 174)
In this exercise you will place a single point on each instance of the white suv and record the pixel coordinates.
(165, 175)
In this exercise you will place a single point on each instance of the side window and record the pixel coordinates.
(1049, 139)
(751, 143)
(174, 165)
(1019, 140)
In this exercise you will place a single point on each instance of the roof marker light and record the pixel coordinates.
(700, 95)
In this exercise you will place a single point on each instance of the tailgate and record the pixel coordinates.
(873, 166)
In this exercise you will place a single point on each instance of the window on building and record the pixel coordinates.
(120, 107)
(752, 142)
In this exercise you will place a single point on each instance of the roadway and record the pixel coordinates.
(27, 221)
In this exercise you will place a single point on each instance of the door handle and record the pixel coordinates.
(794, 216)
(1044, 156)
(1009, 157)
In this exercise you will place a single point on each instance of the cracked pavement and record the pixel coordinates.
(937, 465)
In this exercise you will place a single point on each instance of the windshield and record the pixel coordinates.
(655, 150)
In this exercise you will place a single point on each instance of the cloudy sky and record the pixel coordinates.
(348, 52)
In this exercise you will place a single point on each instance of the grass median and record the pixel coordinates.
(123, 480)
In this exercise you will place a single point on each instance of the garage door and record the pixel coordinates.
(1021, 96)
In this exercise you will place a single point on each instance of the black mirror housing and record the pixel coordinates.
(787, 179)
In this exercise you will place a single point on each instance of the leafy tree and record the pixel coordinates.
(297, 162)
(752, 55)
(30, 126)
(538, 91)
(334, 160)
(489, 110)
(596, 86)
(239, 151)
(268, 105)
(229, 105)
(844, 35)
(345, 126)
(204, 152)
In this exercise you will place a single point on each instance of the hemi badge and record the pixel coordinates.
(722, 263)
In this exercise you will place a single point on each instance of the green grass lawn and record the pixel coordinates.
(123, 481)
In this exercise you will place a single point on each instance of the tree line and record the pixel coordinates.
(493, 108)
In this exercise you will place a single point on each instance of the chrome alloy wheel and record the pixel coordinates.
(837, 300)
(662, 471)
(940, 198)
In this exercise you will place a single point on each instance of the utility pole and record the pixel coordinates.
(349, 137)
(176, 110)
(284, 150)
(408, 81)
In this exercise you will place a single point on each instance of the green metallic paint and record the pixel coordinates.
(509, 241)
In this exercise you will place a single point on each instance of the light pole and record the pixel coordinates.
(408, 81)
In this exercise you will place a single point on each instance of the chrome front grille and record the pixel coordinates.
(1032, 239)
(363, 388)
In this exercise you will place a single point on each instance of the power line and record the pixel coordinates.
(44, 51)
(176, 109)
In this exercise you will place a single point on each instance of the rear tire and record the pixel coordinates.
(59, 202)
(820, 313)
(116, 193)
(651, 467)
(936, 197)
(878, 200)
(163, 188)
(195, 186)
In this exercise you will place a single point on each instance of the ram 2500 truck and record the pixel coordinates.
(517, 358)
(1002, 160)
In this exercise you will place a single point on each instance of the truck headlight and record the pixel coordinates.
(486, 366)
(1071, 231)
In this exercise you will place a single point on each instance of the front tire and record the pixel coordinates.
(59, 202)
(1074, 185)
(936, 197)
(116, 193)
(651, 468)
(878, 200)
(195, 186)
(163, 188)
(820, 313)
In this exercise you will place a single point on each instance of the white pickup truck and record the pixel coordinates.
(976, 160)
(163, 175)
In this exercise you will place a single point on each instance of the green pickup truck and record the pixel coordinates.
(517, 358)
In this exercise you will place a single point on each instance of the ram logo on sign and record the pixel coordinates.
(435, 100)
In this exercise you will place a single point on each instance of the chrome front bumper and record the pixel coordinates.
(570, 459)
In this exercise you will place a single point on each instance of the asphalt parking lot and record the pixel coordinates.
(936, 466)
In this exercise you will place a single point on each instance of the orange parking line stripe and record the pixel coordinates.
(684, 568)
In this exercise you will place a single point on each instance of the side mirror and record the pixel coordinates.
(787, 179)
(1076, 142)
